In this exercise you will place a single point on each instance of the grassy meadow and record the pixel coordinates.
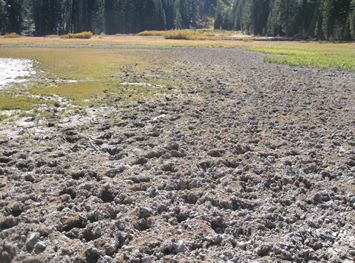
(340, 56)
(82, 76)
(86, 76)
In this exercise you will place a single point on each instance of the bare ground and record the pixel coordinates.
(246, 161)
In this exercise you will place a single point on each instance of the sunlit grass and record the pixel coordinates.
(80, 75)
(21, 102)
(85, 35)
(3, 117)
(328, 56)
(151, 33)
(73, 91)
(11, 35)
(90, 75)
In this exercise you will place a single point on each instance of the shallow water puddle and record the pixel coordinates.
(15, 70)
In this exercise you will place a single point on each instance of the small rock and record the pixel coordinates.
(29, 177)
(8, 222)
(77, 174)
(144, 212)
(172, 146)
(4, 159)
(31, 241)
(216, 153)
(320, 197)
(40, 247)
(263, 249)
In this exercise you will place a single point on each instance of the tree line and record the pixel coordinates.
(46, 17)
(304, 19)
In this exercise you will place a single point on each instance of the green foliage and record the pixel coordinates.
(304, 19)
(352, 19)
(18, 102)
(2, 19)
(178, 20)
(328, 19)
(311, 57)
(3, 117)
(14, 16)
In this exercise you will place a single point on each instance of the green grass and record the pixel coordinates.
(306, 56)
(79, 76)
(93, 76)
(3, 117)
(20, 102)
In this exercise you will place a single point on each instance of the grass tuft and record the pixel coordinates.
(12, 35)
(179, 34)
(3, 117)
(82, 35)
(151, 33)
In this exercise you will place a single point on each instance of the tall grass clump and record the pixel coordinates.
(82, 35)
(151, 33)
(12, 35)
(179, 34)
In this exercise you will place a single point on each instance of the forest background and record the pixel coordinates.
(332, 20)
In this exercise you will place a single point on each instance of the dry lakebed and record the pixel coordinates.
(245, 161)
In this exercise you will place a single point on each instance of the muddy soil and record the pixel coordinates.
(245, 161)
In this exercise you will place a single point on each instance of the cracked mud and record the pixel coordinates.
(245, 161)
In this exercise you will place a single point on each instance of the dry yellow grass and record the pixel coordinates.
(132, 40)
(312, 54)
(161, 41)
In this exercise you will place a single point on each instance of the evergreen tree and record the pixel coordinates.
(178, 20)
(14, 19)
(320, 19)
(238, 11)
(352, 19)
(160, 23)
(168, 7)
(177, 15)
(328, 18)
(2, 18)
(218, 20)
(46, 16)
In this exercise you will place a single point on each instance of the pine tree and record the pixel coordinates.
(168, 6)
(328, 18)
(14, 19)
(247, 17)
(177, 15)
(2, 18)
(352, 19)
(160, 23)
(237, 12)
(218, 19)
(178, 20)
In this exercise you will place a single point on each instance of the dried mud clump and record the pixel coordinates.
(244, 161)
